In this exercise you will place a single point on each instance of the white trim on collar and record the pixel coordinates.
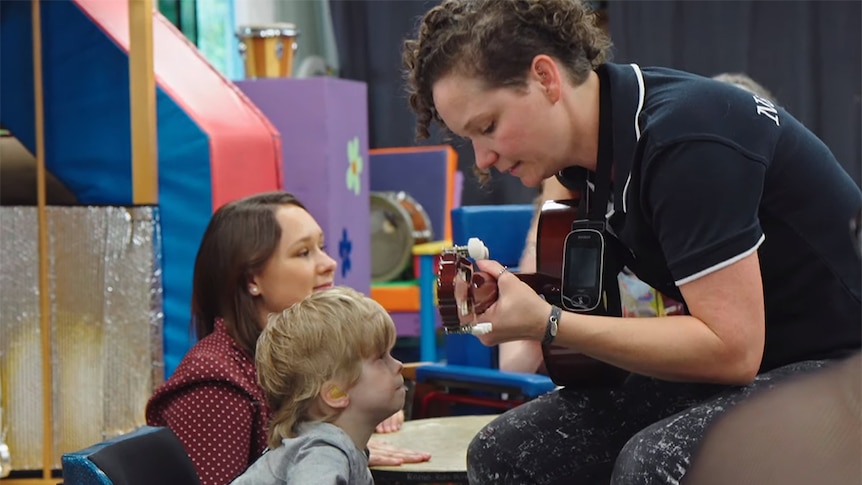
(641, 93)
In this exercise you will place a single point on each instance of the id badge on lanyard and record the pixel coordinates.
(584, 255)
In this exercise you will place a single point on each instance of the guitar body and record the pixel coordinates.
(463, 293)
(565, 366)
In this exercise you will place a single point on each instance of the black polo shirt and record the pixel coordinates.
(706, 173)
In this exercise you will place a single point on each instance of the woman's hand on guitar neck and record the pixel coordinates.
(519, 312)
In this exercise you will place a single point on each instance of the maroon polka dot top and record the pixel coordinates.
(213, 404)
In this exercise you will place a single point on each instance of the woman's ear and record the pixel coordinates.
(252, 286)
(544, 71)
(334, 396)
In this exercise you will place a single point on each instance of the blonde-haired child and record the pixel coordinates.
(328, 375)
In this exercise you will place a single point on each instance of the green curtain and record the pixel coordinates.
(183, 14)
(316, 36)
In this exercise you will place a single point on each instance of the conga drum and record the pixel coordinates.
(267, 50)
(398, 222)
(445, 438)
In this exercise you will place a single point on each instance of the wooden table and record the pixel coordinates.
(446, 438)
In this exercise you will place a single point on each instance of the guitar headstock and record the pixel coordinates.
(463, 292)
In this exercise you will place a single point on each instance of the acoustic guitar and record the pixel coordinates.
(464, 292)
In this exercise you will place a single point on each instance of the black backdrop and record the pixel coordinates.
(807, 53)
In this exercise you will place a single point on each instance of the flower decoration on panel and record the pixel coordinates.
(354, 166)
(345, 245)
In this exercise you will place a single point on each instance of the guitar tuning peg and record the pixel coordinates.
(476, 249)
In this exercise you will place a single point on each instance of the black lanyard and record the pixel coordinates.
(594, 206)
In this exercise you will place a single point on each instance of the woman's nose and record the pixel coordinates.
(327, 264)
(485, 157)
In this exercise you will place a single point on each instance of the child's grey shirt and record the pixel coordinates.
(321, 453)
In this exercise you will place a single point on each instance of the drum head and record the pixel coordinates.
(282, 29)
(446, 438)
(391, 238)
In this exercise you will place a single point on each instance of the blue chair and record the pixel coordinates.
(145, 456)
(471, 374)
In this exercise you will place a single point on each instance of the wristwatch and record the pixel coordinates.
(553, 325)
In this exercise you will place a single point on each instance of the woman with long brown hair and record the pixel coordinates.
(258, 255)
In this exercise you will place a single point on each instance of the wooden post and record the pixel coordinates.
(42, 222)
(142, 96)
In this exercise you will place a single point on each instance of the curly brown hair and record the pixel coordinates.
(496, 40)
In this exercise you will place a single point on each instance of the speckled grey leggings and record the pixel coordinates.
(643, 432)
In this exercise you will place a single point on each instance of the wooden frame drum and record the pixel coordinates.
(398, 222)
(446, 438)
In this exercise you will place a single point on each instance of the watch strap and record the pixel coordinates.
(553, 325)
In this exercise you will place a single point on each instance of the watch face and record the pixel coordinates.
(554, 322)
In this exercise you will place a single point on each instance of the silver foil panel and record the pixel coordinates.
(106, 326)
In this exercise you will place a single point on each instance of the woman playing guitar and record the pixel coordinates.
(721, 200)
